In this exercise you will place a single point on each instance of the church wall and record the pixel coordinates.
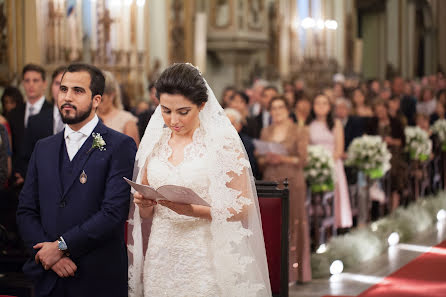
(441, 35)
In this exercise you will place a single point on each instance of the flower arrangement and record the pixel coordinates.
(439, 129)
(370, 155)
(418, 143)
(319, 171)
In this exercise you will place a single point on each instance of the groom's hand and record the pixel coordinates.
(48, 254)
(65, 267)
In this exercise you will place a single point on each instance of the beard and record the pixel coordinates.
(79, 116)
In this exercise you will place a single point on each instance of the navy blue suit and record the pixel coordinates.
(90, 217)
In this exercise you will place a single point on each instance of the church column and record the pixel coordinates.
(31, 45)
(441, 33)
(393, 33)
(409, 40)
(158, 24)
(285, 19)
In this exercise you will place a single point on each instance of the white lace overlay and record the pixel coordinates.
(188, 256)
(179, 247)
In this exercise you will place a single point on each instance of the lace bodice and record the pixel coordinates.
(179, 252)
(190, 173)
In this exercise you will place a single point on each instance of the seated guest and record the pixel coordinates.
(427, 102)
(392, 132)
(236, 120)
(439, 113)
(329, 132)
(277, 167)
(111, 110)
(302, 111)
(394, 109)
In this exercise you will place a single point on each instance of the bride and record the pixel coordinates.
(192, 250)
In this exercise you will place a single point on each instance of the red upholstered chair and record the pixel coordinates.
(274, 210)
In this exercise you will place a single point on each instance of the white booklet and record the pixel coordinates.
(171, 193)
(264, 147)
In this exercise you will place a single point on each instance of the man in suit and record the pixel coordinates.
(34, 84)
(263, 119)
(48, 122)
(74, 203)
(408, 103)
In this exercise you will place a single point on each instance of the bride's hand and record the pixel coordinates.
(179, 208)
(142, 202)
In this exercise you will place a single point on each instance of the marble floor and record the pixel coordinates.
(356, 280)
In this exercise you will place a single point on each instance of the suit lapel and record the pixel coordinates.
(58, 146)
(83, 155)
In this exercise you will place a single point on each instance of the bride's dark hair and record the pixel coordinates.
(183, 79)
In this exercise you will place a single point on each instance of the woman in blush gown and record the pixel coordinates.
(330, 133)
(278, 167)
(195, 250)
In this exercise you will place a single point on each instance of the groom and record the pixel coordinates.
(74, 203)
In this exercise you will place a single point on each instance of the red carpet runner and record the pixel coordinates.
(423, 277)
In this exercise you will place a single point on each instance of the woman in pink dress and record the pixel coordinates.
(326, 131)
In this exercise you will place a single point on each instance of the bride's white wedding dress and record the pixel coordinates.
(179, 249)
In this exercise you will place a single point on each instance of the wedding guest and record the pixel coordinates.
(48, 122)
(440, 113)
(237, 121)
(354, 126)
(111, 110)
(34, 83)
(394, 109)
(391, 131)
(239, 101)
(144, 117)
(328, 132)
(384, 94)
(408, 103)
(228, 92)
(360, 107)
(302, 111)
(5, 158)
(427, 102)
(264, 118)
(11, 98)
(422, 121)
(255, 96)
(278, 167)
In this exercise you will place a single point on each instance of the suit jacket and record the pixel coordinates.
(90, 217)
(355, 127)
(16, 120)
(39, 126)
(409, 109)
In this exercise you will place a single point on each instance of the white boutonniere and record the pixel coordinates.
(98, 142)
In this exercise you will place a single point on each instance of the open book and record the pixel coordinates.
(264, 147)
(171, 193)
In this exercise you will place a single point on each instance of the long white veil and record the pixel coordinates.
(237, 240)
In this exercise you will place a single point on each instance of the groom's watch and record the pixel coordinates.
(62, 245)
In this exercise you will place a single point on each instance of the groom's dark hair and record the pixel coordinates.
(183, 79)
(97, 83)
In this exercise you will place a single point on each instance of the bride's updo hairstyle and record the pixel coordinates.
(183, 79)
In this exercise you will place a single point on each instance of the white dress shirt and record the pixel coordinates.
(36, 107)
(58, 125)
(266, 118)
(75, 139)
